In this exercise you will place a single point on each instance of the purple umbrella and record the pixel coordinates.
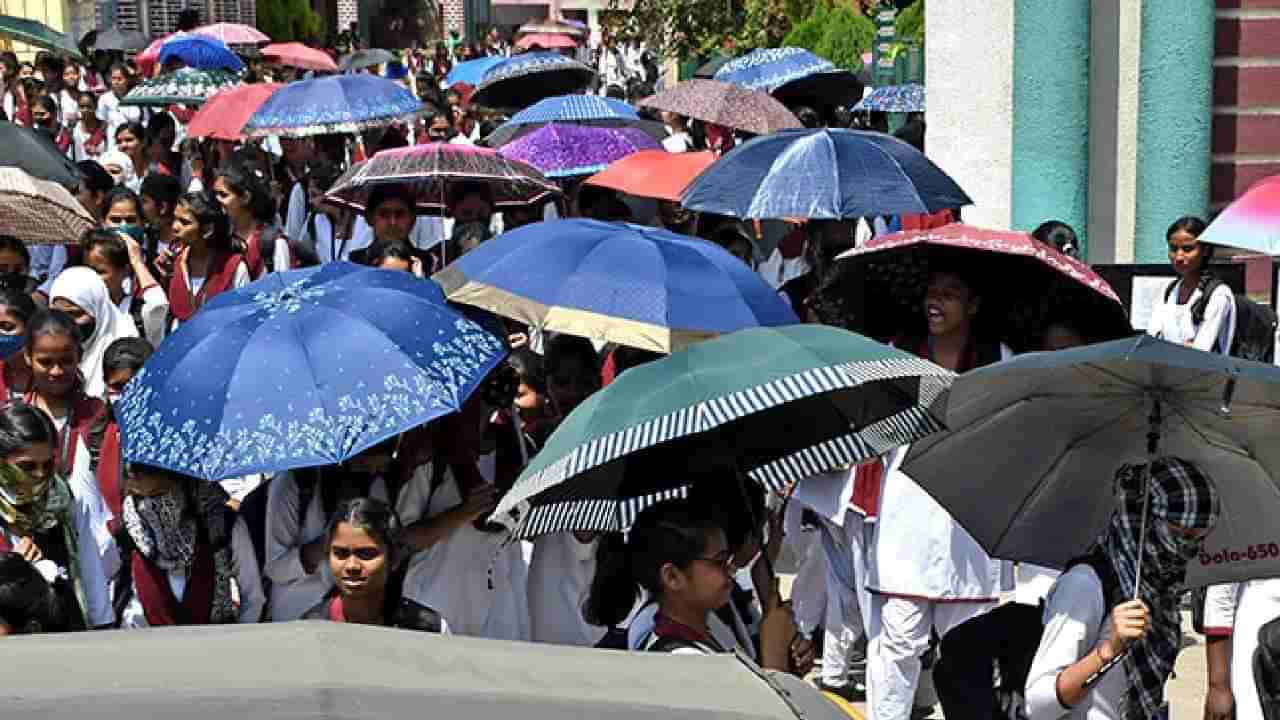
(563, 150)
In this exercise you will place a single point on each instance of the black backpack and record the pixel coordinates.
(1255, 335)
(1266, 669)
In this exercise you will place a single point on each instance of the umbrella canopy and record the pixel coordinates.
(290, 670)
(472, 71)
(524, 79)
(311, 367)
(233, 33)
(148, 58)
(200, 52)
(835, 88)
(1250, 222)
(654, 173)
(551, 27)
(184, 86)
(778, 403)
(224, 115)
(578, 109)
(113, 38)
(40, 212)
(614, 282)
(567, 150)
(35, 154)
(894, 98)
(434, 170)
(548, 41)
(1035, 441)
(1025, 284)
(365, 58)
(770, 69)
(297, 55)
(37, 34)
(824, 175)
(726, 104)
(337, 104)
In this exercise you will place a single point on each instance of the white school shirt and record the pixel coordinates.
(111, 112)
(248, 583)
(643, 620)
(559, 579)
(293, 591)
(453, 576)
(1171, 321)
(1074, 617)
(155, 310)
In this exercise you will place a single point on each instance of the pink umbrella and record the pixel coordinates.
(549, 41)
(297, 55)
(233, 33)
(1252, 221)
(148, 58)
(224, 115)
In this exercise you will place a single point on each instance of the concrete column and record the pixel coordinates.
(1050, 114)
(1174, 119)
(970, 107)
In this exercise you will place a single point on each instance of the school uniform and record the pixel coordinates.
(1173, 322)
(727, 637)
(560, 574)
(226, 270)
(1238, 611)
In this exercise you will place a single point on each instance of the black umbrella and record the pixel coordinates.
(35, 153)
(123, 40)
(527, 78)
(840, 88)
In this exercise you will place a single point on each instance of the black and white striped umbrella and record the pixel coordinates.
(777, 404)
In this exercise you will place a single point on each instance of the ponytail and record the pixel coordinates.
(613, 591)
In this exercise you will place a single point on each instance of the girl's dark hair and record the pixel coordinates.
(121, 192)
(22, 425)
(51, 322)
(245, 177)
(1189, 224)
(158, 124)
(373, 516)
(673, 532)
(529, 368)
(13, 244)
(209, 214)
(17, 302)
(27, 602)
(109, 243)
(1059, 236)
(126, 354)
(136, 129)
(737, 505)
(383, 251)
(561, 345)
(49, 105)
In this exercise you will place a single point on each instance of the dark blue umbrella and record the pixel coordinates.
(302, 368)
(334, 104)
(200, 52)
(823, 175)
(524, 79)
(471, 71)
(794, 76)
(629, 284)
(578, 109)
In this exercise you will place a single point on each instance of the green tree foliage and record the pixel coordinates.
(694, 28)
(910, 23)
(847, 36)
(808, 33)
(289, 20)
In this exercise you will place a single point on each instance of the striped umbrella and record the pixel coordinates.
(184, 86)
(777, 403)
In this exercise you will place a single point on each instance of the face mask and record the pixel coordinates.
(137, 232)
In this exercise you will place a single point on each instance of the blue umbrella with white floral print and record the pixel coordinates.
(302, 368)
(335, 104)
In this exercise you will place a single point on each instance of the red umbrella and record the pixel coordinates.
(297, 55)
(549, 41)
(233, 33)
(1024, 283)
(654, 173)
(224, 115)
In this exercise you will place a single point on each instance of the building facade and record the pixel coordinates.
(160, 17)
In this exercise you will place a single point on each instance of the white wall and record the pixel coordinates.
(969, 76)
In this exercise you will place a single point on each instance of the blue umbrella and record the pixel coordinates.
(793, 75)
(334, 104)
(200, 52)
(302, 368)
(578, 109)
(894, 98)
(616, 282)
(471, 71)
(522, 80)
(823, 175)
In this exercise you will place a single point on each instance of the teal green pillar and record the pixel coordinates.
(1175, 113)
(1051, 114)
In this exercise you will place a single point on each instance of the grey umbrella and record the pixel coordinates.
(318, 669)
(1034, 442)
(116, 39)
(365, 58)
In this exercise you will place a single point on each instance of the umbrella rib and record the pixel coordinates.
(1186, 418)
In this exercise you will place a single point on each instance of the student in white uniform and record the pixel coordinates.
(560, 573)
(1233, 615)
(1134, 643)
(1182, 318)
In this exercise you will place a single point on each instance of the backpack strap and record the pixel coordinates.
(1198, 309)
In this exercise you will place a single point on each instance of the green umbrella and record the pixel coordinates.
(37, 34)
(776, 403)
(184, 86)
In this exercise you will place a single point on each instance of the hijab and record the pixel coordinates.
(84, 287)
(1182, 496)
(118, 158)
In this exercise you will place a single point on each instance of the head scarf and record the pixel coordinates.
(117, 157)
(27, 506)
(1182, 496)
(162, 529)
(83, 286)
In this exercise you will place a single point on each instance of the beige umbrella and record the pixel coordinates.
(39, 212)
